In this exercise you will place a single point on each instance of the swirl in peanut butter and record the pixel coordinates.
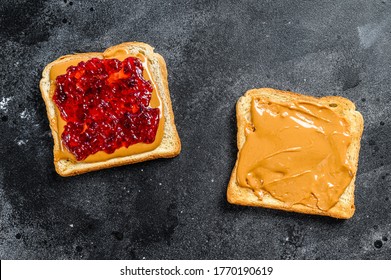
(296, 152)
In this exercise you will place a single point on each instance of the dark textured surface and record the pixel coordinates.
(176, 208)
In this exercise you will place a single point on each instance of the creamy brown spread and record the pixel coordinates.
(296, 152)
(156, 102)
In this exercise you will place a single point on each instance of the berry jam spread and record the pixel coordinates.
(105, 103)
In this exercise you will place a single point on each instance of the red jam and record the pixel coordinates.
(105, 103)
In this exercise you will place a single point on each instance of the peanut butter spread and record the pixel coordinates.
(120, 54)
(296, 152)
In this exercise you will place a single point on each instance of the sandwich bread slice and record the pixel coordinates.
(296, 153)
(109, 109)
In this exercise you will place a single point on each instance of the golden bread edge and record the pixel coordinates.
(345, 208)
(170, 145)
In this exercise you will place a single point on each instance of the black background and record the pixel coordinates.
(176, 208)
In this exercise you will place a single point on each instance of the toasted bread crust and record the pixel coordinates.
(170, 145)
(345, 208)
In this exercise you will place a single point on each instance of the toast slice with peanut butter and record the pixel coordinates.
(109, 109)
(296, 153)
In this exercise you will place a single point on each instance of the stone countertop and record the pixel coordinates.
(176, 208)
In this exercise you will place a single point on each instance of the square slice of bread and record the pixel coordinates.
(170, 145)
(237, 194)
